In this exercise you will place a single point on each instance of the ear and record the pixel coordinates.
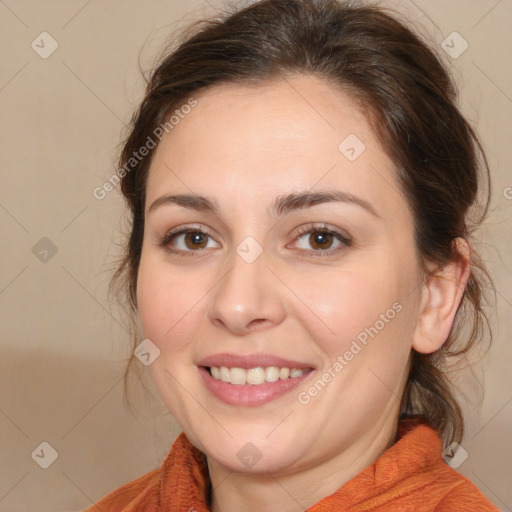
(441, 296)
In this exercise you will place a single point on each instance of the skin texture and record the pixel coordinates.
(242, 147)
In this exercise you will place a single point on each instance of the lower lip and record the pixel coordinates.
(248, 394)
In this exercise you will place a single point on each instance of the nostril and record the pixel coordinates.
(256, 321)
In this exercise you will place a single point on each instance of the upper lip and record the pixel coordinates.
(250, 361)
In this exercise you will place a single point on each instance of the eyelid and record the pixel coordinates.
(344, 239)
(322, 227)
(184, 228)
(170, 235)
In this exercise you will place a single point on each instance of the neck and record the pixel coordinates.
(294, 490)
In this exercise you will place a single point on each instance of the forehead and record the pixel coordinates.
(294, 133)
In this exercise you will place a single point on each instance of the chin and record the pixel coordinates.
(252, 456)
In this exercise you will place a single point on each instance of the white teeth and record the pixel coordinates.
(225, 374)
(272, 374)
(254, 376)
(238, 376)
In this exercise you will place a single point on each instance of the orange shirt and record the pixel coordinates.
(409, 476)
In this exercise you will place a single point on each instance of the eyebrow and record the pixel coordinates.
(295, 201)
(191, 201)
(282, 205)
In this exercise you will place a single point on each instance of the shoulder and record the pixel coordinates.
(446, 489)
(456, 492)
(131, 496)
(412, 475)
(182, 475)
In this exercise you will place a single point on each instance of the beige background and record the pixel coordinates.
(63, 347)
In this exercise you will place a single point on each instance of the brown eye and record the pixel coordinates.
(188, 241)
(196, 240)
(321, 240)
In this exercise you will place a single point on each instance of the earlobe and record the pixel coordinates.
(441, 295)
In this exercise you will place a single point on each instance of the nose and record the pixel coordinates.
(247, 298)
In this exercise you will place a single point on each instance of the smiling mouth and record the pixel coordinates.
(254, 385)
(255, 376)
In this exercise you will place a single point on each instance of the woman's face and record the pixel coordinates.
(246, 282)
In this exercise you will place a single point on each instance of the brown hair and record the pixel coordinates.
(410, 99)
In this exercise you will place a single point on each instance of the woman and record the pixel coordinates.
(300, 183)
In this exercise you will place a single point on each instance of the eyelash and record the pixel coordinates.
(311, 228)
(303, 230)
(169, 236)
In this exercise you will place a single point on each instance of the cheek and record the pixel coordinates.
(344, 304)
(169, 301)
